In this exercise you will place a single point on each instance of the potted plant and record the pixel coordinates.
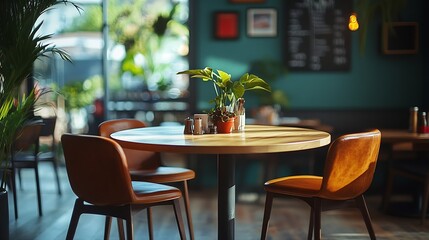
(20, 46)
(227, 91)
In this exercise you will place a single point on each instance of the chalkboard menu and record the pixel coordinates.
(317, 36)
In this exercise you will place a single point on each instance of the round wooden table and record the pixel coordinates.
(255, 139)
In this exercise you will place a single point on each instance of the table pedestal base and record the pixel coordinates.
(226, 198)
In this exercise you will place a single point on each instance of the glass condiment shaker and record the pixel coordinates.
(413, 119)
(198, 126)
(423, 122)
(189, 125)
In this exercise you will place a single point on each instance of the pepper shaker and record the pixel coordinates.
(189, 123)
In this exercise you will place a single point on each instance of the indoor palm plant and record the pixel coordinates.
(227, 90)
(20, 46)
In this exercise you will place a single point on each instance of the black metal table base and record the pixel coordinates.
(226, 197)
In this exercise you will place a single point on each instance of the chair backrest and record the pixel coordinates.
(110, 126)
(97, 169)
(47, 133)
(350, 165)
(28, 137)
(136, 159)
(48, 128)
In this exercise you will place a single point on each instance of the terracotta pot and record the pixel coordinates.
(225, 127)
(4, 216)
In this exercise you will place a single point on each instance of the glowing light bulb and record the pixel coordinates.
(353, 22)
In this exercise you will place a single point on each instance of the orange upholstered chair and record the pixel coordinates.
(147, 166)
(348, 173)
(98, 174)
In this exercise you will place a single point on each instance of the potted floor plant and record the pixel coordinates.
(228, 91)
(20, 45)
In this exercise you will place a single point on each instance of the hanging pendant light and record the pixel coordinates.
(353, 22)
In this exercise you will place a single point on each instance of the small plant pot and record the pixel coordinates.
(225, 127)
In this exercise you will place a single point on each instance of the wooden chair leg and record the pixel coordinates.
(129, 223)
(188, 210)
(121, 232)
(267, 214)
(15, 198)
(149, 223)
(39, 197)
(107, 226)
(74, 219)
(317, 221)
(425, 199)
(311, 224)
(360, 201)
(179, 219)
(57, 178)
(20, 179)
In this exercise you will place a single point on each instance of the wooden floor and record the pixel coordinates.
(289, 218)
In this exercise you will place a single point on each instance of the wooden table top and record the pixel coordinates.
(402, 135)
(255, 139)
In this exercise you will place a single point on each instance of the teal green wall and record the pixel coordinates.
(374, 80)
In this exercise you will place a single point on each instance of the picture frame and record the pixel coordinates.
(261, 22)
(400, 38)
(226, 25)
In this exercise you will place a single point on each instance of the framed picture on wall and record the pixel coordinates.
(400, 38)
(261, 22)
(226, 25)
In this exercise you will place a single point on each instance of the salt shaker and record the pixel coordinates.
(189, 123)
(212, 129)
(198, 126)
(413, 119)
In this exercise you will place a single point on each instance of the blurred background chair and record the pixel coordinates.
(48, 147)
(147, 166)
(348, 173)
(409, 161)
(25, 155)
(98, 174)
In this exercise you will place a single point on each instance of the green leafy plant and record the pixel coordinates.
(146, 29)
(20, 46)
(80, 94)
(227, 90)
(14, 113)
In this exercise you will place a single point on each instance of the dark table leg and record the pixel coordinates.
(226, 197)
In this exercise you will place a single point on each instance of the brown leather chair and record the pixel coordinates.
(147, 166)
(98, 174)
(348, 173)
(25, 155)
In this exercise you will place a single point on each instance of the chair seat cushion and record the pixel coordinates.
(24, 160)
(162, 174)
(302, 185)
(147, 193)
(46, 156)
